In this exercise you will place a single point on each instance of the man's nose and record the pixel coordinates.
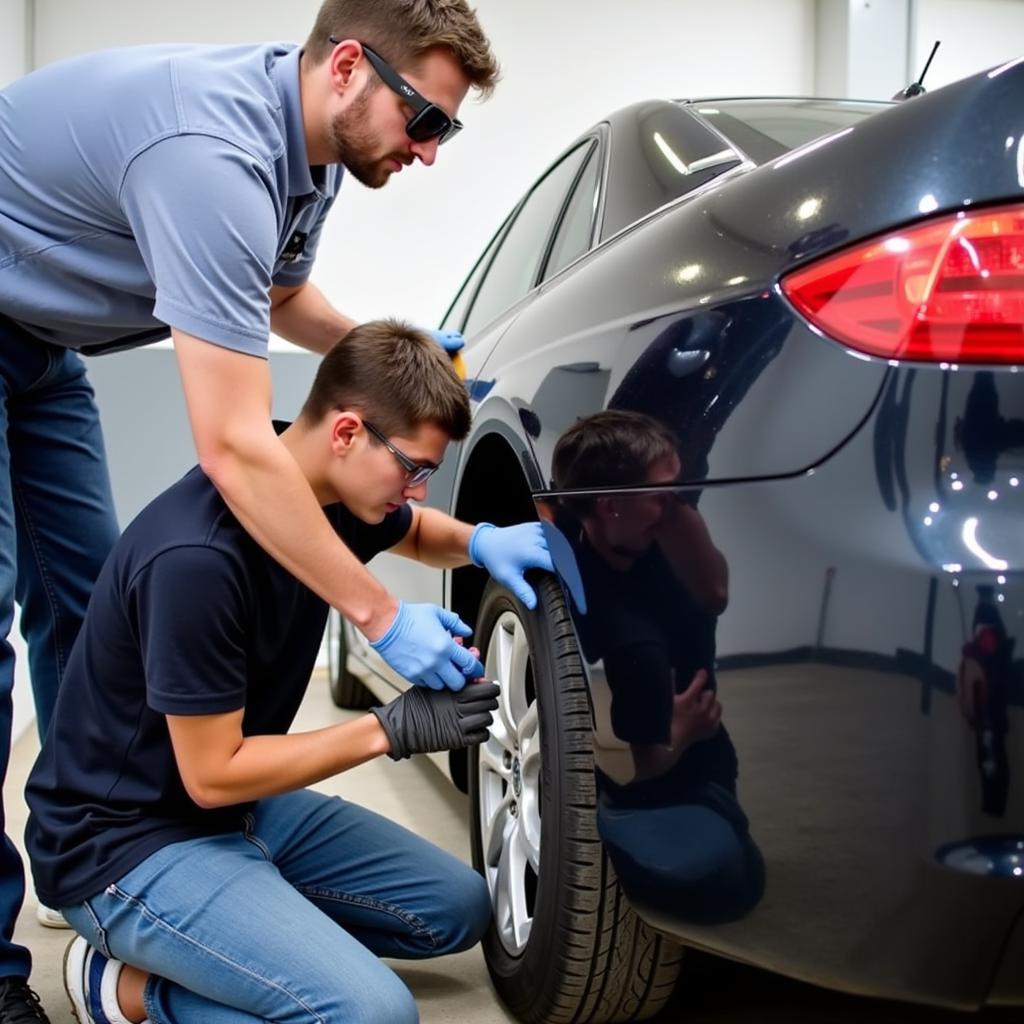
(416, 493)
(426, 152)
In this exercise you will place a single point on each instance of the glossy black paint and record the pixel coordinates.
(890, 822)
(865, 635)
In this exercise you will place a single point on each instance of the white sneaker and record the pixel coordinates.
(91, 984)
(90, 980)
(50, 918)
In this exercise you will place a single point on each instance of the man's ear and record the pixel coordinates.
(346, 426)
(344, 63)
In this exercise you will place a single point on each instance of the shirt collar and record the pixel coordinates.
(302, 179)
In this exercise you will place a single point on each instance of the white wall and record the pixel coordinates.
(14, 42)
(975, 34)
(862, 47)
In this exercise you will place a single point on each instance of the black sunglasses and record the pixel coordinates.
(428, 121)
(418, 472)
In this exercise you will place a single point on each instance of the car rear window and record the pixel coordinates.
(765, 129)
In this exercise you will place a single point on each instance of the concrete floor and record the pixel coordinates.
(456, 989)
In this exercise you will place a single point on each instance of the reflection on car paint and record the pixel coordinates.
(668, 808)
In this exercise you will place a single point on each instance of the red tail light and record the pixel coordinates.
(951, 290)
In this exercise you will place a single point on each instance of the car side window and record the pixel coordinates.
(577, 227)
(460, 304)
(513, 271)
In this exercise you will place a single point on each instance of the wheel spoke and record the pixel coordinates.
(511, 911)
(509, 784)
(492, 754)
(529, 804)
(529, 733)
(527, 841)
(519, 660)
(498, 667)
(496, 823)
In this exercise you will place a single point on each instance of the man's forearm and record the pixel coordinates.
(437, 539)
(305, 317)
(265, 766)
(697, 563)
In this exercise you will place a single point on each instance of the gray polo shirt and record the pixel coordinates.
(157, 186)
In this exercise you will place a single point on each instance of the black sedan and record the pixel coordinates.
(755, 363)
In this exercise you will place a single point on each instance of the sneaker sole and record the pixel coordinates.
(53, 920)
(74, 960)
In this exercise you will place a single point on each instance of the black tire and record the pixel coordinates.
(346, 690)
(588, 958)
(458, 769)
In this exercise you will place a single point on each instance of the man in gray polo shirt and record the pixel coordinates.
(182, 190)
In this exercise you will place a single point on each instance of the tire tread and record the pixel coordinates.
(604, 965)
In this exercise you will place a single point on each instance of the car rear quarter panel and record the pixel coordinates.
(840, 657)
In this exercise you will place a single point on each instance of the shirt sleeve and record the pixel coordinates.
(365, 540)
(190, 611)
(203, 216)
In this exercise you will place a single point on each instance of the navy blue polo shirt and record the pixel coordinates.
(190, 616)
(157, 186)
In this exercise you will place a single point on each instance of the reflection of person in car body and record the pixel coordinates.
(654, 585)
(170, 820)
(983, 682)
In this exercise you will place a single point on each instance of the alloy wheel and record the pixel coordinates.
(509, 790)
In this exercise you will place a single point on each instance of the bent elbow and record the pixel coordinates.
(719, 600)
(215, 459)
(223, 460)
(205, 797)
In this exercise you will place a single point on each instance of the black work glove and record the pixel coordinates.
(422, 721)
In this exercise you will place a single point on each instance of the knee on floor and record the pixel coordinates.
(468, 913)
(396, 1006)
(385, 1000)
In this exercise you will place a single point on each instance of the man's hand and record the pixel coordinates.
(419, 722)
(696, 713)
(507, 552)
(450, 341)
(419, 646)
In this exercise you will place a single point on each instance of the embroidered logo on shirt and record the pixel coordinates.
(296, 244)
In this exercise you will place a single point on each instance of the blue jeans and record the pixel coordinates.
(694, 861)
(57, 526)
(285, 920)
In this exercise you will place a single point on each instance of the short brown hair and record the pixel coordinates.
(613, 448)
(402, 31)
(395, 376)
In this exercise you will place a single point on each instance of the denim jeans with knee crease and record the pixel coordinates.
(285, 920)
(57, 526)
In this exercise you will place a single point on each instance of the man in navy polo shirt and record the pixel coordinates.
(169, 819)
(182, 190)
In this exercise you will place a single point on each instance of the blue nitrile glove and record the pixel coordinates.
(419, 646)
(450, 341)
(506, 552)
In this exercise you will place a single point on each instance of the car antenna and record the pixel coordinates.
(916, 88)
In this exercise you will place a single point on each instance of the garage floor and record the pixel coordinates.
(456, 989)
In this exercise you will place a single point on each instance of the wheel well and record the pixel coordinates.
(493, 490)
